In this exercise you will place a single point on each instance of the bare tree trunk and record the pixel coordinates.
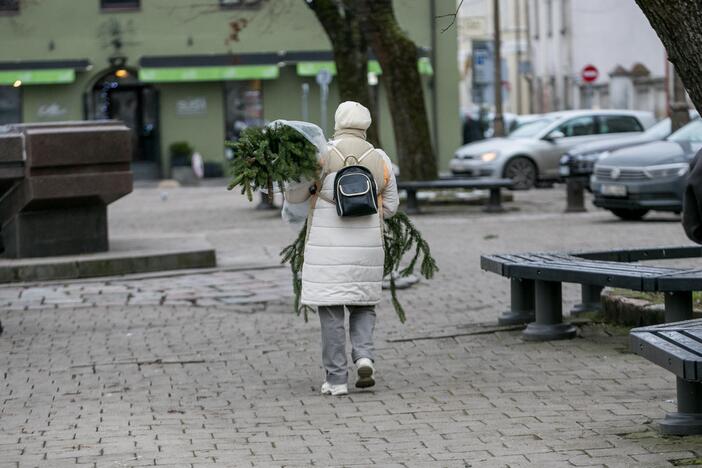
(679, 111)
(340, 21)
(397, 55)
(678, 24)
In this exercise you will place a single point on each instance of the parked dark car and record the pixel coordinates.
(633, 181)
(580, 161)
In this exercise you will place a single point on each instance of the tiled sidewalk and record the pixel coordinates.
(213, 369)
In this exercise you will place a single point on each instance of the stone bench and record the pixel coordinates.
(495, 186)
(56, 181)
(536, 284)
(676, 347)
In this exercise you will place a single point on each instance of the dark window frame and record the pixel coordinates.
(20, 108)
(132, 5)
(10, 9)
(241, 6)
(595, 125)
(601, 122)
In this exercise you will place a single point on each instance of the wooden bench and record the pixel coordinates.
(676, 347)
(494, 204)
(536, 284)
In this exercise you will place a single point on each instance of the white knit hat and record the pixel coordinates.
(351, 114)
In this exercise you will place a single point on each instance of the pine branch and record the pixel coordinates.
(265, 157)
(399, 237)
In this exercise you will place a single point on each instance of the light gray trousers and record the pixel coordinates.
(361, 326)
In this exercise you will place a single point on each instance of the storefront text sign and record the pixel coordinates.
(191, 106)
(52, 110)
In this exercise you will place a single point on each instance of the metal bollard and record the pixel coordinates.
(575, 195)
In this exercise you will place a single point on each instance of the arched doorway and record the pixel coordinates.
(119, 95)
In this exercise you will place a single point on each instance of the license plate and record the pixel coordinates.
(614, 190)
(565, 171)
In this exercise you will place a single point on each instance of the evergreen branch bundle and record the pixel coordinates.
(268, 156)
(400, 236)
(275, 155)
(295, 255)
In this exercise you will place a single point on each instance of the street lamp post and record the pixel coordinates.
(499, 122)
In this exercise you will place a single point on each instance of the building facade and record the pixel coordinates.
(199, 71)
(612, 35)
(475, 50)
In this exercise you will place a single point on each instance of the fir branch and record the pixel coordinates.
(269, 156)
(399, 237)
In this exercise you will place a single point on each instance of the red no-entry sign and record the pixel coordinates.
(589, 73)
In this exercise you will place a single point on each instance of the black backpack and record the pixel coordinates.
(355, 190)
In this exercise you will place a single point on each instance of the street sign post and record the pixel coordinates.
(589, 74)
(323, 78)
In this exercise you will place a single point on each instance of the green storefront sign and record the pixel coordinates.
(312, 68)
(37, 77)
(184, 74)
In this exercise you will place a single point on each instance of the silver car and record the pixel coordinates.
(533, 151)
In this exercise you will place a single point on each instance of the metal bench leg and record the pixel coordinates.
(411, 204)
(549, 315)
(522, 303)
(590, 297)
(688, 419)
(494, 204)
(678, 306)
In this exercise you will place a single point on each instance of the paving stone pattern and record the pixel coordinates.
(213, 369)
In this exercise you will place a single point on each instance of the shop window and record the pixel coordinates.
(10, 105)
(9, 5)
(240, 3)
(119, 4)
(243, 106)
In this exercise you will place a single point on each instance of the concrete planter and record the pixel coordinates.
(185, 176)
(632, 312)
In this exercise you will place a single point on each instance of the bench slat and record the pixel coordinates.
(687, 343)
(685, 280)
(688, 326)
(635, 255)
(666, 354)
(454, 184)
(570, 269)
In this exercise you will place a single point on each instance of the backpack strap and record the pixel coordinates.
(338, 153)
(361, 157)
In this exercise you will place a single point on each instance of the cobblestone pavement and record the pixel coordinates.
(213, 369)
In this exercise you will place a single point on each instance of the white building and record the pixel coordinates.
(476, 25)
(554, 40)
(612, 35)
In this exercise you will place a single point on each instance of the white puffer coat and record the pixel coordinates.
(344, 256)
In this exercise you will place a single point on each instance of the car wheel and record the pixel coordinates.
(522, 172)
(629, 215)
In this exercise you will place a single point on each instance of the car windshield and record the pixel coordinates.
(690, 132)
(659, 130)
(531, 129)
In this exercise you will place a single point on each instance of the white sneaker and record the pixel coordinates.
(365, 371)
(335, 390)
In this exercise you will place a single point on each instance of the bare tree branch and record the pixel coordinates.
(454, 15)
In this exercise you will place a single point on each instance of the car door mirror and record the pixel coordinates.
(554, 135)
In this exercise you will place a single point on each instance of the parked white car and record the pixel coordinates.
(533, 151)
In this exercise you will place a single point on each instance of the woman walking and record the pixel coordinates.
(344, 257)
